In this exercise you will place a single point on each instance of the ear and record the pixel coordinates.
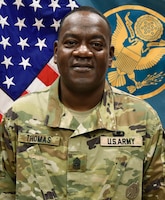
(111, 55)
(55, 51)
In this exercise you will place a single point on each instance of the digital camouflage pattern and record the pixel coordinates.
(47, 154)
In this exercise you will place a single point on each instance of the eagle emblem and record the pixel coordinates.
(138, 47)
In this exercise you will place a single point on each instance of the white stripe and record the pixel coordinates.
(5, 102)
(36, 85)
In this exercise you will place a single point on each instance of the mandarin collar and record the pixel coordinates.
(103, 116)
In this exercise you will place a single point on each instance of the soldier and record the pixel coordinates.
(81, 139)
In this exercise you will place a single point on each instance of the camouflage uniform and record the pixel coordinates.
(47, 154)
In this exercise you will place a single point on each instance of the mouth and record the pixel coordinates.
(82, 68)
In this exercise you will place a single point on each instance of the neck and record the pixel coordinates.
(81, 101)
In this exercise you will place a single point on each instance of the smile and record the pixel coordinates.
(82, 68)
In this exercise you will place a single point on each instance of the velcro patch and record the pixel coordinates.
(121, 141)
(39, 139)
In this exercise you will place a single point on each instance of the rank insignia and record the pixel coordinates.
(77, 162)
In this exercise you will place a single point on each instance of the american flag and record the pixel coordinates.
(28, 29)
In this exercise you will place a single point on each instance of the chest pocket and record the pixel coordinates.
(111, 170)
(32, 173)
(41, 174)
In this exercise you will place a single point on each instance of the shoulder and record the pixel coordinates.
(28, 105)
(123, 96)
(31, 99)
(134, 104)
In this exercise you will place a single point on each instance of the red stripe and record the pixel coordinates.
(47, 75)
(1, 118)
(24, 93)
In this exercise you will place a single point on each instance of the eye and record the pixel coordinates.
(70, 43)
(97, 45)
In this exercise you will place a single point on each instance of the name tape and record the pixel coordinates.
(121, 141)
(39, 139)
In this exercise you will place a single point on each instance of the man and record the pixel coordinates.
(82, 139)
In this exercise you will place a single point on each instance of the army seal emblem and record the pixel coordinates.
(137, 34)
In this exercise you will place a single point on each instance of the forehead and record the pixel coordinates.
(85, 21)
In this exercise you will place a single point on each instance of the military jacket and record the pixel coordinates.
(116, 153)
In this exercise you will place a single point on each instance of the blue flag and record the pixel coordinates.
(28, 29)
(138, 29)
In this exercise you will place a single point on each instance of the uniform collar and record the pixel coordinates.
(103, 117)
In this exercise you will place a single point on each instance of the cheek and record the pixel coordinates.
(103, 60)
(63, 56)
(60, 58)
(62, 63)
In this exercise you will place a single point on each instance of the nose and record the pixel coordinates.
(82, 51)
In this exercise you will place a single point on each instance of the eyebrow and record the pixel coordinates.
(69, 35)
(96, 36)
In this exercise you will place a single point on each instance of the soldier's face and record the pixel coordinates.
(83, 52)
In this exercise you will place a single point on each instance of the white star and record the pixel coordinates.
(38, 23)
(7, 62)
(54, 4)
(20, 23)
(25, 63)
(23, 43)
(8, 82)
(2, 3)
(18, 3)
(56, 24)
(41, 43)
(5, 42)
(72, 5)
(3, 21)
(35, 4)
